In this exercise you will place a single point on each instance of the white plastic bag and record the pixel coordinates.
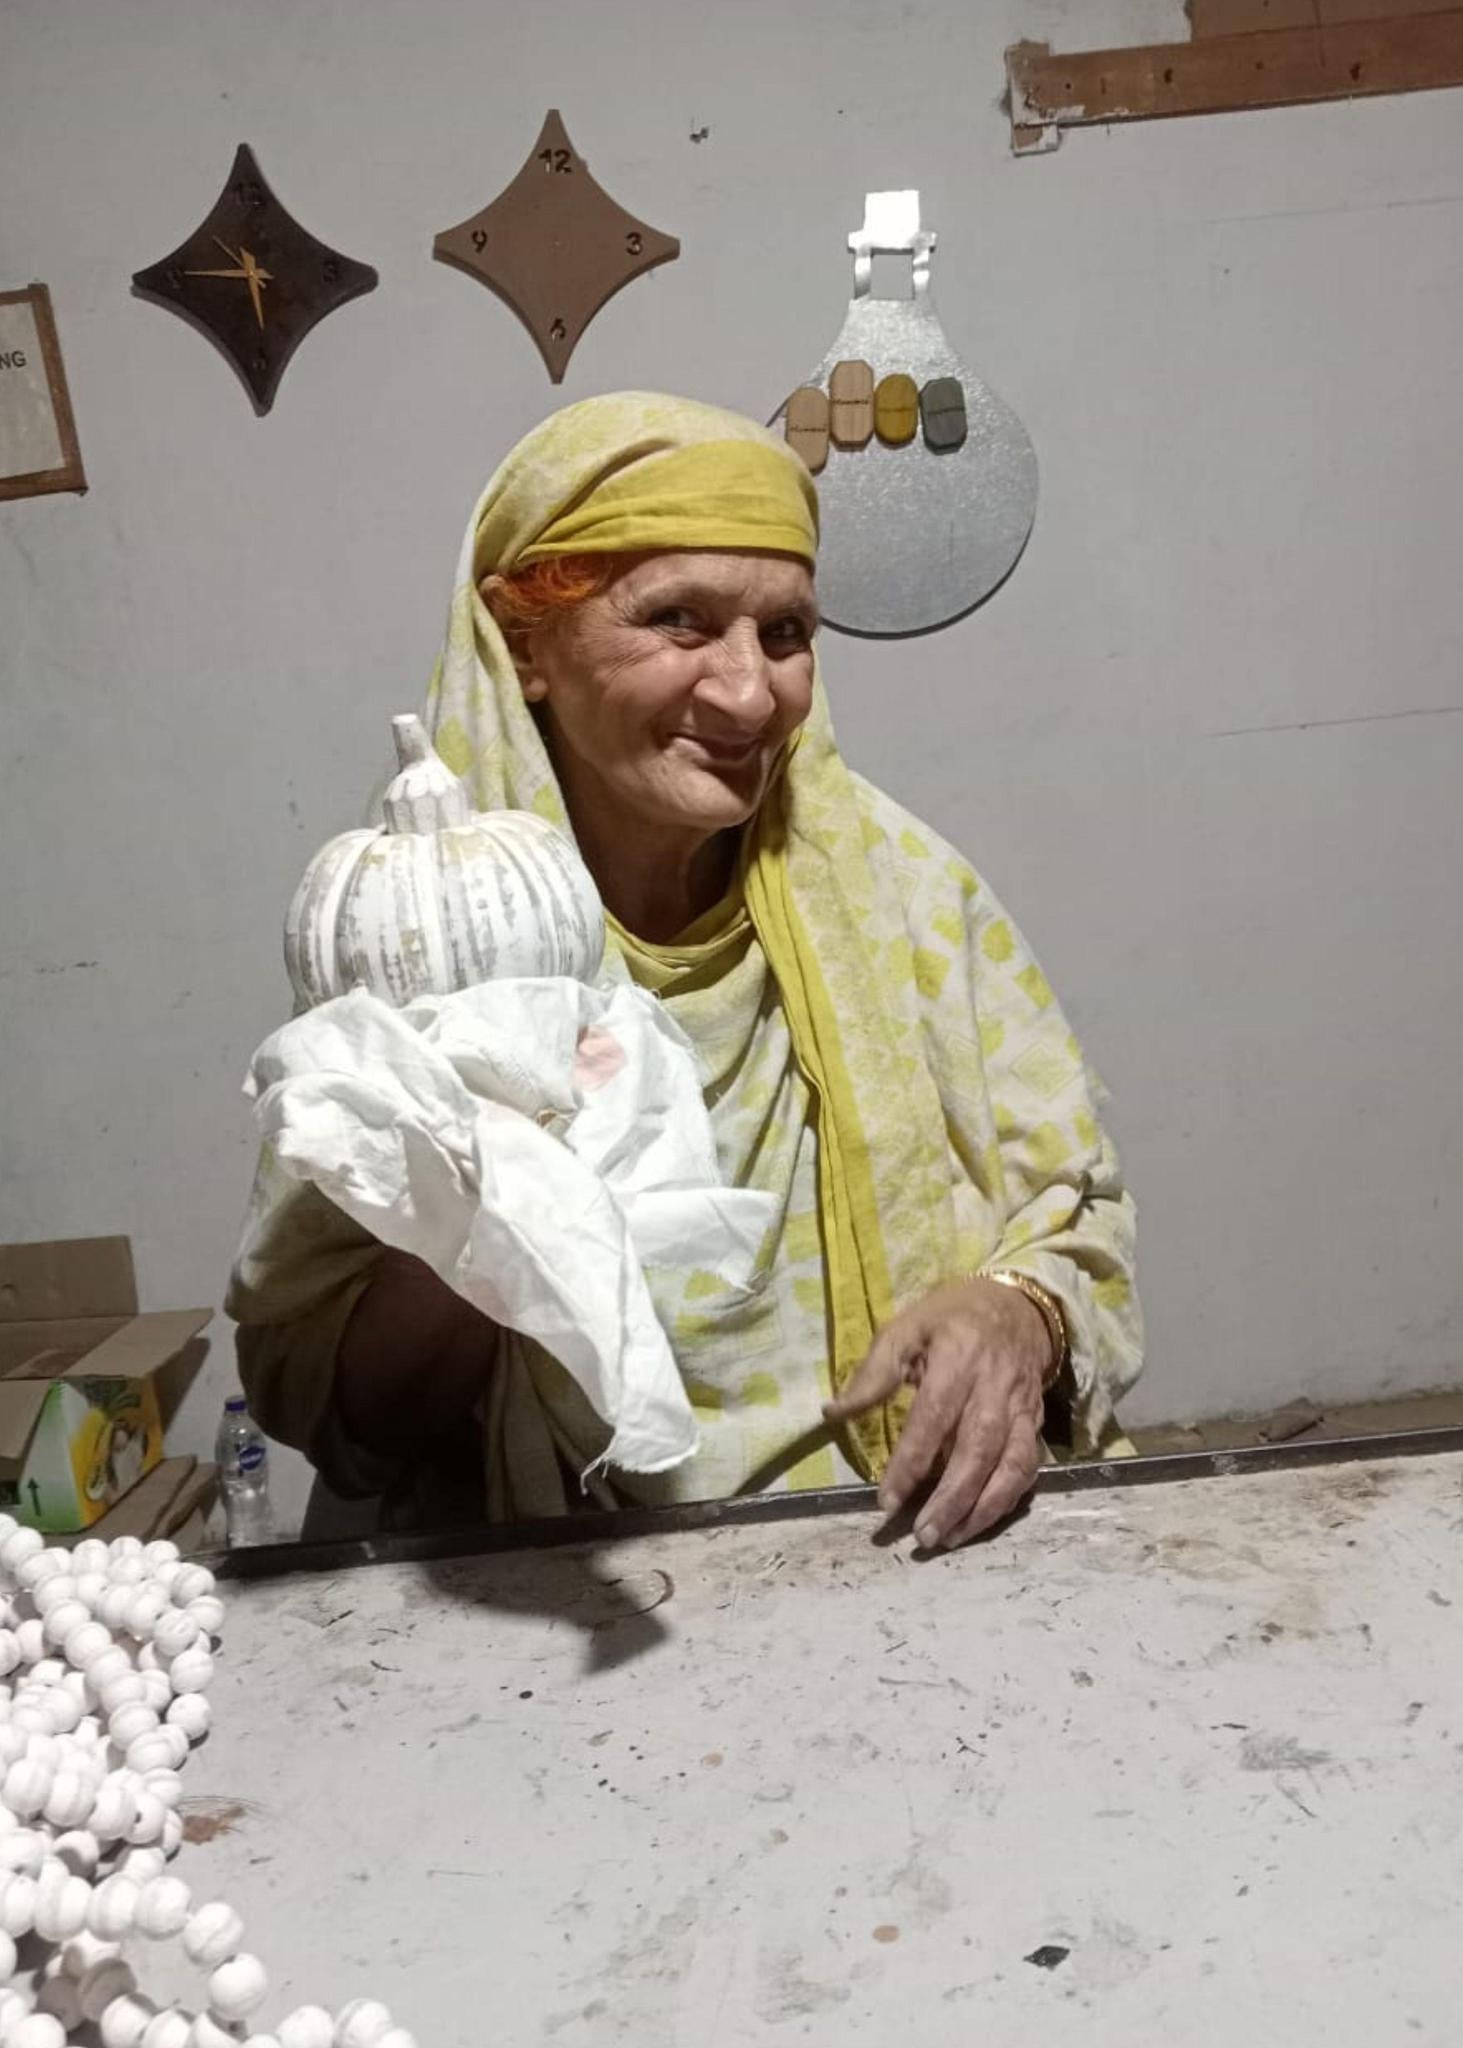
(535, 1142)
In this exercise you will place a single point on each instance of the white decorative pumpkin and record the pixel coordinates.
(441, 897)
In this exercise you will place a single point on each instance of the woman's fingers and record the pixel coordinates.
(880, 1376)
(942, 1395)
(981, 1436)
(1005, 1489)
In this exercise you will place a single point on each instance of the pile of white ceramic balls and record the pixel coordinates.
(106, 1653)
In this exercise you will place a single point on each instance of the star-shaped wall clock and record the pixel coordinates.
(253, 279)
(554, 245)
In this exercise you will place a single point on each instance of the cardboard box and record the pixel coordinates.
(175, 1494)
(79, 1416)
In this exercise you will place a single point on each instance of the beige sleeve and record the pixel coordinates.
(1024, 1113)
(1069, 1219)
(302, 1266)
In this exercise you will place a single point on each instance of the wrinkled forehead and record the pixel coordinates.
(757, 577)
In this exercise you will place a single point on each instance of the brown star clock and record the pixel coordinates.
(554, 245)
(253, 279)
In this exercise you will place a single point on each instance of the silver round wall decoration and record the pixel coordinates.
(920, 523)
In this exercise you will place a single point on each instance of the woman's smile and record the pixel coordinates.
(723, 753)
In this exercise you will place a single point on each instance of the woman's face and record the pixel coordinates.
(670, 694)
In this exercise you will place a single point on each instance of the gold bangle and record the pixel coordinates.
(1051, 1315)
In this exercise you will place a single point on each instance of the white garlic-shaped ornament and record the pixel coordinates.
(361, 2024)
(126, 1723)
(147, 1820)
(165, 1785)
(191, 1712)
(17, 1903)
(168, 2028)
(23, 1849)
(191, 1672)
(175, 1632)
(113, 1907)
(116, 1692)
(177, 1743)
(153, 1752)
(124, 2022)
(208, 1612)
(441, 898)
(193, 1582)
(27, 1786)
(308, 2026)
(162, 1908)
(212, 1934)
(70, 1800)
(107, 1667)
(37, 2030)
(112, 1814)
(19, 1546)
(237, 1988)
(158, 1690)
(85, 1645)
(146, 1609)
(209, 2032)
(62, 1908)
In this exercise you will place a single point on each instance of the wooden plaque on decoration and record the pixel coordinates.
(554, 245)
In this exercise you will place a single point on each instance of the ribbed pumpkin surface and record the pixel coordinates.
(405, 914)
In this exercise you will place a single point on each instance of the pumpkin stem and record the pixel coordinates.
(411, 739)
(423, 795)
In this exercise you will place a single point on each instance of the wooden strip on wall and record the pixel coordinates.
(1246, 17)
(1223, 74)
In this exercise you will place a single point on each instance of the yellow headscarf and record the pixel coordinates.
(636, 471)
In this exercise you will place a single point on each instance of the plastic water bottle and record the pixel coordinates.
(243, 1474)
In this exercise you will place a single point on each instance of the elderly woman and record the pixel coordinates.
(630, 653)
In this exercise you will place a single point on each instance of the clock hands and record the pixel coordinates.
(247, 269)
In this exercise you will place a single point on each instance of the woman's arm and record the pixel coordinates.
(1022, 1116)
(412, 1364)
(1038, 1152)
(344, 1347)
(1069, 1221)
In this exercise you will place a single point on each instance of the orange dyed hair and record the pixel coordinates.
(532, 595)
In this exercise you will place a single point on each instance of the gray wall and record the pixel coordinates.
(1204, 740)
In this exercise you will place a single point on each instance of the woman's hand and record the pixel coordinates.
(977, 1354)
